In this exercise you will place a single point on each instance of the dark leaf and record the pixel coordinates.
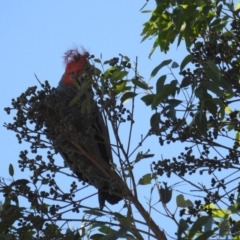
(97, 236)
(182, 227)
(147, 155)
(127, 96)
(161, 65)
(185, 61)
(140, 156)
(174, 65)
(115, 234)
(141, 84)
(213, 72)
(173, 102)
(19, 182)
(168, 89)
(97, 60)
(160, 83)
(185, 82)
(11, 170)
(148, 99)
(105, 229)
(165, 194)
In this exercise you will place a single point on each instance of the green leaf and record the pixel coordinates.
(105, 229)
(69, 234)
(174, 65)
(106, 62)
(118, 75)
(148, 155)
(155, 45)
(11, 170)
(199, 92)
(74, 100)
(198, 224)
(125, 221)
(209, 104)
(97, 236)
(145, 179)
(97, 60)
(161, 65)
(146, 11)
(120, 87)
(94, 212)
(115, 234)
(96, 225)
(227, 87)
(75, 82)
(136, 233)
(182, 227)
(173, 102)
(230, 127)
(166, 37)
(205, 235)
(148, 99)
(140, 156)
(213, 87)
(141, 84)
(208, 226)
(111, 70)
(182, 203)
(178, 15)
(224, 227)
(127, 96)
(217, 24)
(213, 72)
(171, 113)
(185, 61)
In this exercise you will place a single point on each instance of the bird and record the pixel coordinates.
(78, 131)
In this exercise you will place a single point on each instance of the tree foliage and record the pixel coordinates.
(195, 106)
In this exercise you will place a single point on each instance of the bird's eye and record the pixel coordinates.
(72, 73)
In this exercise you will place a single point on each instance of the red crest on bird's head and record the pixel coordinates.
(76, 63)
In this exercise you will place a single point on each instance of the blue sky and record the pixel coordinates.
(34, 37)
